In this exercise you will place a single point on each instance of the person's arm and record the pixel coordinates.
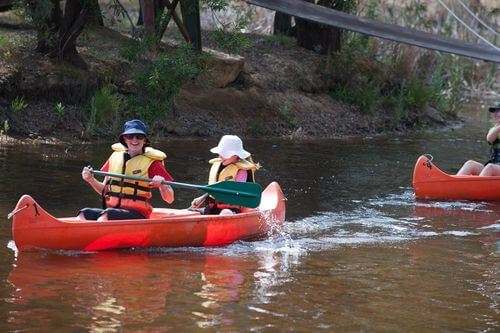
(158, 173)
(242, 176)
(199, 201)
(166, 191)
(88, 176)
(493, 133)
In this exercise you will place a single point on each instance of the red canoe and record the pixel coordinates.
(431, 183)
(33, 228)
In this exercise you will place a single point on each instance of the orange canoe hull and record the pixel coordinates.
(429, 182)
(34, 229)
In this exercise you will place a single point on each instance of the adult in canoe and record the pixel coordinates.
(492, 167)
(235, 164)
(125, 198)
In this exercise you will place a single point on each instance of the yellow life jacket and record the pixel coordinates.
(218, 173)
(230, 171)
(495, 150)
(126, 193)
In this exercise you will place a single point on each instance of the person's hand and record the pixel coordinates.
(87, 174)
(157, 181)
(197, 202)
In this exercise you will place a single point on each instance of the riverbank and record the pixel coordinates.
(272, 89)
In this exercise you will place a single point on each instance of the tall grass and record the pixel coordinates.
(373, 73)
(103, 110)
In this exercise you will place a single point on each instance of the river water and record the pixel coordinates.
(357, 252)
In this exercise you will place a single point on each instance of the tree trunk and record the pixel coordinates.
(190, 10)
(95, 12)
(310, 35)
(48, 28)
(283, 25)
(57, 33)
(159, 6)
(73, 21)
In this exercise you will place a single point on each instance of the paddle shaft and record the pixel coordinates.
(177, 184)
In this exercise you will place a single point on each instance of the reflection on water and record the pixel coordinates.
(112, 291)
(357, 252)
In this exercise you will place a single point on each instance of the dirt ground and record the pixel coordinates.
(279, 92)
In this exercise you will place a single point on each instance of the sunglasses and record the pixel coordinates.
(132, 136)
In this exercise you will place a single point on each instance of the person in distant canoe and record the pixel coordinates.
(235, 164)
(492, 167)
(124, 198)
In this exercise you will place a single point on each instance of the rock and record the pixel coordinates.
(128, 87)
(434, 115)
(223, 68)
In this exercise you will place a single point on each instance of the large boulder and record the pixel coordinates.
(223, 68)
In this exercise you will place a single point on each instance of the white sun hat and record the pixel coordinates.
(230, 145)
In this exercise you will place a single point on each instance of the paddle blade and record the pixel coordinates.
(236, 193)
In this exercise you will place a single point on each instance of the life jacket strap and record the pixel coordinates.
(126, 196)
(135, 186)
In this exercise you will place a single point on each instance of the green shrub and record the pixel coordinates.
(366, 98)
(103, 109)
(59, 108)
(18, 104)
(230, 42)
(4, 40)
(5, 127)
(281, 39)
(160, 82)
(132, 51)
(139, 46)
(418, 94)
(286, 113)
(410, 77)
(255, 128)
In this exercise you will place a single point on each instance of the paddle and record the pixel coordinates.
(235, 193)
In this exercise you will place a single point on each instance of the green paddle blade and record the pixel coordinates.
(236, 193)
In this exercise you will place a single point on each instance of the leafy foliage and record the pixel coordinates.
(103, 108)
(215, 5)
(5, 127)
(38, 13)
(281, 39)
(59, 109)
(230, 42)
(372, 73)
(4, 40)
(18, 104)
(161, 80)
(228, 36)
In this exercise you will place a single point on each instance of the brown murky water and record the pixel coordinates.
(357, 253)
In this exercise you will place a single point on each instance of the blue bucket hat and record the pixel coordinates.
(134, 126)
(494, 108)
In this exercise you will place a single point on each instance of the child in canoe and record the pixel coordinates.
(235, 164)
(124, 198)
(492, 167)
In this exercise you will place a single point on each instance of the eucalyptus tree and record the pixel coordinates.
(58, 29)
